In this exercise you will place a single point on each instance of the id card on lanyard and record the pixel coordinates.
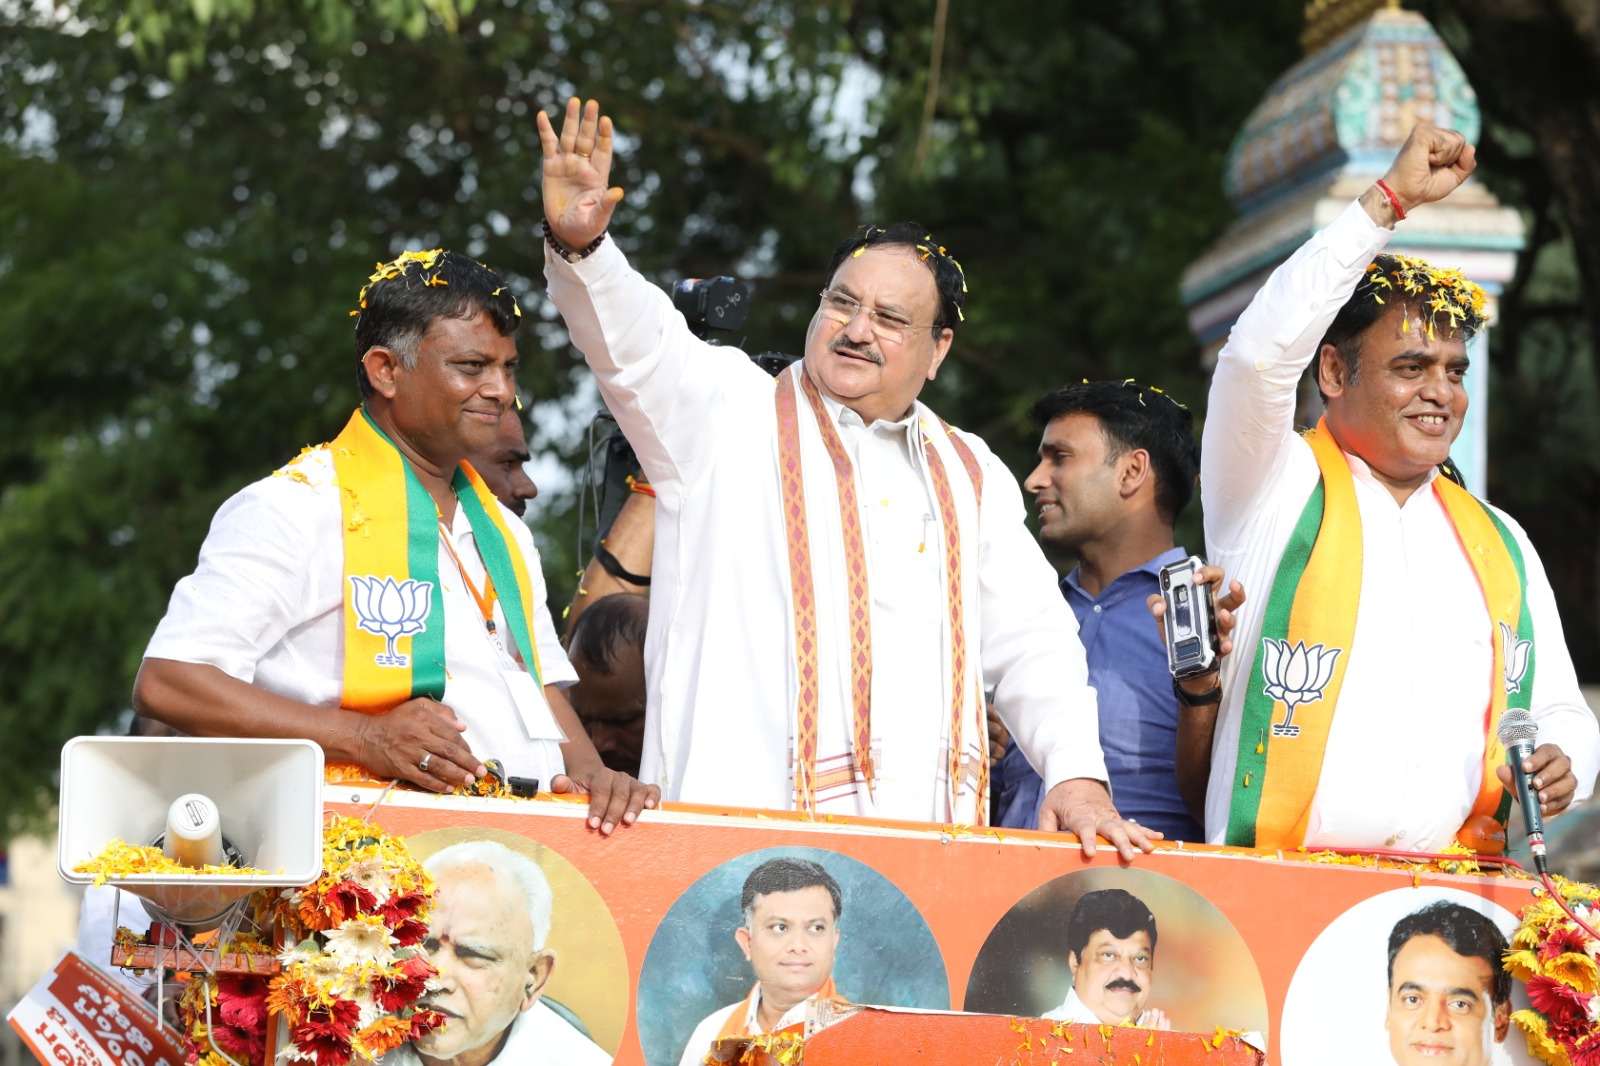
(533, 709)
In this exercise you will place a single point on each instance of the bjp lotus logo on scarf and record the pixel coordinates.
(1294, 676)
(391, 610)
(1515, 657)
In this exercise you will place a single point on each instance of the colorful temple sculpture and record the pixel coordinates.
(1323, 133)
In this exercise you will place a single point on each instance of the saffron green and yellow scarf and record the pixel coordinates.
(393, 615)
(1306, 636)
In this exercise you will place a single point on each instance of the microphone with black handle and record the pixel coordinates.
(1517, 732)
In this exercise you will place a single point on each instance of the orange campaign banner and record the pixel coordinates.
(650, 944)
(76, 1015)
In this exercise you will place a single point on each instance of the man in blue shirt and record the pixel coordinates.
(1117, 465)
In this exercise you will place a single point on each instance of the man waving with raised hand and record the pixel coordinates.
(838, 574)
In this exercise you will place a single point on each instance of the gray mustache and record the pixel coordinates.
(861, 353)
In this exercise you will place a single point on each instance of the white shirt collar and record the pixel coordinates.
(1362, 471)
(847, 417)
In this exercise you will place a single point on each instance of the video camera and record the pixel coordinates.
(709, 305)
(721, 304)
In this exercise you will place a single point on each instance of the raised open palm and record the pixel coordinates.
(577, 169)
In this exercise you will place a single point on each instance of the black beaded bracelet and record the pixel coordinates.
(557, 247)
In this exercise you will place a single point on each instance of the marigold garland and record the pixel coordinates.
(786, 1049)
(354, 975)
(1435, 863)
(1556, 961)
(352, 979)
(349, 773)
(401, 267)
(1434, 291)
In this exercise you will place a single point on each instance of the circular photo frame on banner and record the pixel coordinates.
(523, 942)
(820, 924)
(1443, 998)
(1108, 945)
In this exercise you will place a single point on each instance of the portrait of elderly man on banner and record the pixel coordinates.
(490, 939)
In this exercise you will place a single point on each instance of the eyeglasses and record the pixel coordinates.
(838, 307)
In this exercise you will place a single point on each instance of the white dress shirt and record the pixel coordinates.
(719, 655)
(705, 1034)
(539, 1037)
(1075, 1011)
(1404, 757)
(265, 605)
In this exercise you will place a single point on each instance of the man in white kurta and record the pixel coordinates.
(725, 654)
(264, 606)
(278, 632)
(1405, 753)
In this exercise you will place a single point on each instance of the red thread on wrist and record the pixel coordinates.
(1394, 201)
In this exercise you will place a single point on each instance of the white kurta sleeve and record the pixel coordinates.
(252, 583)
(1032, 656)
(1563, 715)
(660, 381)
(1250, 413)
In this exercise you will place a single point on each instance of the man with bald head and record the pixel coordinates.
(487, 937)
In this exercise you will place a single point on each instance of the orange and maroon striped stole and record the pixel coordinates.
(803, 590)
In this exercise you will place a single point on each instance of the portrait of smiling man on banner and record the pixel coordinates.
(1449, 996)
(1418, 978)
(790, 933)
(769, 940)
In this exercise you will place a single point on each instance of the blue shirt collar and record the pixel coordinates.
(1069, 584)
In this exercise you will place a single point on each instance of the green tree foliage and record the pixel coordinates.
(1533, 63)
(1074, 168)
(193, 194)
(180, 255)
